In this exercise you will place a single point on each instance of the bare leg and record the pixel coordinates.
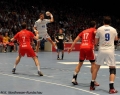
(17, 61)
(93, 66)
(37, 46)
(38, 65)
(94, 75)
(36, 61)
(77, 69)
(50, 40)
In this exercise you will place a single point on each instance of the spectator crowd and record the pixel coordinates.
(73, 19)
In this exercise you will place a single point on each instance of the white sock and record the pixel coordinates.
(75, 73)
(111, 82)
(14, 66)
(38, 67)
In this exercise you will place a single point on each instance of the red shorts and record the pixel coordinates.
(87, 53)
(27, 50)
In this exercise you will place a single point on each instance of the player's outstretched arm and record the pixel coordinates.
(12, 39)
(73, 44)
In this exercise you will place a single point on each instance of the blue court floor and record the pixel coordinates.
(57, 76)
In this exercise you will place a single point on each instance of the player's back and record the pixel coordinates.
(87, 37)
(106, 36)
(24, 38)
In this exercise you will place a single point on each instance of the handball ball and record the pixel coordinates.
(47, 13)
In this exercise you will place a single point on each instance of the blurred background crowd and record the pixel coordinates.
(72, 17)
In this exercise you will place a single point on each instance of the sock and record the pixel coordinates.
(38, 67)
(75, 75)
(62, 56)
(57, 56)
(111, 82)
(14, 66)
(111, 85)
(92, 83)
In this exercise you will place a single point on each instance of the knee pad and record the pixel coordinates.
(112, 71)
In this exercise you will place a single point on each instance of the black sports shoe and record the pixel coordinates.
(112, 91)
(74, 81)
(92, 88)
(40, 73)
(13, 70)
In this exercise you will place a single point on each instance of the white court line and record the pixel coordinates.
(45, 75)
(51, 83)
(117, 54)
(87, 63)
(104, 67)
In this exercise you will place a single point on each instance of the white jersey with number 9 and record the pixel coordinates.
(106, 35)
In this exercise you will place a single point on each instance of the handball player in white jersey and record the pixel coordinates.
(105, 36)
(40, 28)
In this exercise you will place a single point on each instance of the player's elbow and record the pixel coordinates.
(52, 20)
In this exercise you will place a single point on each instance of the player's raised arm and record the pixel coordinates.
(51, 16)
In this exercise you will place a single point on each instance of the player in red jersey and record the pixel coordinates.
(87, 38)
(24, 39)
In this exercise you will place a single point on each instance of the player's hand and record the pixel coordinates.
(48, 13)
(69, 50)
(36, 32)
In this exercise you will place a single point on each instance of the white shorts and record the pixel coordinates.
(106, 57)
(45, 36)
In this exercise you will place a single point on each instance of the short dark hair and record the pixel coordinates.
(41, 14)
(24, 25)
(107, 20)
(92, 23)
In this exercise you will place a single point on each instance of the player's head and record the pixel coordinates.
(41, 16)
(106, 20)
(24, 25)
(92, 24)
(60, 30)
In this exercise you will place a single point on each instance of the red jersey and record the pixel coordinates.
(88, 38)
(24, 38)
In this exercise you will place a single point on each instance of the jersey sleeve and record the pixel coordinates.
(47, 21)
(16, 36)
